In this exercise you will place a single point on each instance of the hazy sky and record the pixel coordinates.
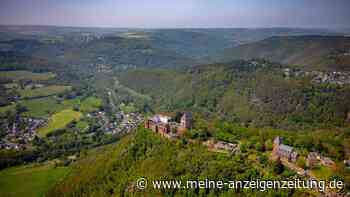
(178, 13)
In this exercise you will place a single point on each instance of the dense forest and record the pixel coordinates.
(249, 92)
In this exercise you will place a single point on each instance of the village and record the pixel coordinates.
(123, 123)
(20, 134)
(336, 78)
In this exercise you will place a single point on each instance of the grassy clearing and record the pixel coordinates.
(90, 104)
(26, 75)
(82, 125)
(322, 172)
(43, 107)
(59, 121)
(30, 180)
(44, 91)
(6, 108)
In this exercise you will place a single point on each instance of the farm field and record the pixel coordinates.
(43, 107)
(59, 121)
(44, 91)
(26, 75)
(30, 180)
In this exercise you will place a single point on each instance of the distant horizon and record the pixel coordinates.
(164, 14)
(237, 27)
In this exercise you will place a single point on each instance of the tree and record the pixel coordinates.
(263, 159)
(20, 108)
(301, 162)
(243, 147)
(76, 107)
(178, 116)
(259, 147)
(269, 144)
(278, 167)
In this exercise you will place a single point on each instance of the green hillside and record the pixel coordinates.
(243, 92)
(30, 180)
(144, 154)
(311, 52)
(59, 121)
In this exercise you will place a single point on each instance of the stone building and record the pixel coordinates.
(165, 127)
(312, 159)
(326, 161)
(186, 120)
(284, 151)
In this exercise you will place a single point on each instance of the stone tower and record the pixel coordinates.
(186, 120)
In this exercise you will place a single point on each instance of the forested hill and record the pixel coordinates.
(311, 52)
(144, 154)
(111, 50)
(115, 51)
(252, 92)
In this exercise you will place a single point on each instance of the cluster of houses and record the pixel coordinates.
(124, 122)
(166, 127)
(18, 137)
(338, 78)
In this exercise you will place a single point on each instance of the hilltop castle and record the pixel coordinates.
(164, 125)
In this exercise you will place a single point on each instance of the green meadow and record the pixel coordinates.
(26, 75)
(44, 91)
(31, 180)
(59, 120)
(6, 108)
(90, 104)
(41, 107)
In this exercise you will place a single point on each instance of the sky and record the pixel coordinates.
(178, 13)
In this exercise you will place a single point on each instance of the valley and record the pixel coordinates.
(73, 97)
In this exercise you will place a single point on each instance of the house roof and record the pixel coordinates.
(187, 115)
(313, 155)
(158, 117)
(286, 148)
(277, 140)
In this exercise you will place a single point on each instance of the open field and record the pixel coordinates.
(30, 180)
(26, 75)
(90, 104)
(44, 91)
(59, 121)
(82, 125)
(43, 107)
